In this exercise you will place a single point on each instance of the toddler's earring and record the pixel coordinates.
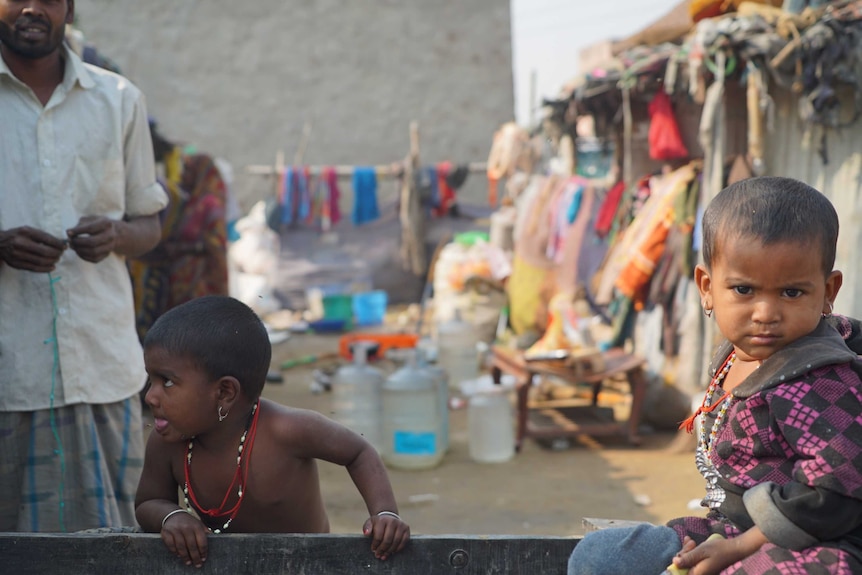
(221, 416)
(827, 313)
(707, 311)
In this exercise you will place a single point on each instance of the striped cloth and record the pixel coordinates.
(86, 480)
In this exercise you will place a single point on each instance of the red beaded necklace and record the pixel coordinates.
(240, 477)
(708, 405)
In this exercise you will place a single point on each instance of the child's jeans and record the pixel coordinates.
(642, 550)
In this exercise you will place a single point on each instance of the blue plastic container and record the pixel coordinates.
(369, 308)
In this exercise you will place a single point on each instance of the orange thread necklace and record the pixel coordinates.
(708, 405)
(240, 476)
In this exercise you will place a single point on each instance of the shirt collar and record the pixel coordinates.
(76, 70)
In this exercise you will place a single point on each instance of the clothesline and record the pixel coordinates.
(344, 171)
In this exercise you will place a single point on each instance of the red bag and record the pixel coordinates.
(665, 142)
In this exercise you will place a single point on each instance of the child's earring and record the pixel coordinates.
(827, 313)
(222, 417)
(707, 311)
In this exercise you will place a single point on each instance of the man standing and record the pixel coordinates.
(78, 194)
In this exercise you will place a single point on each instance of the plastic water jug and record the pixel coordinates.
(456, 350)
(489, 422)
(441, 379)
(411, 418)
(357, 399)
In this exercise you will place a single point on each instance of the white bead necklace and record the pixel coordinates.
(707, 440)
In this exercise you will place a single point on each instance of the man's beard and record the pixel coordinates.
(26, 50)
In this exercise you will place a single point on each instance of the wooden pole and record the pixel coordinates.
(278, 169)
(412, 220)
(303, 144)
(393, 170)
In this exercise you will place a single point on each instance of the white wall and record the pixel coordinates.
(240, 79)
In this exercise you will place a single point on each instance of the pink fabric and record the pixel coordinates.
(331, 178)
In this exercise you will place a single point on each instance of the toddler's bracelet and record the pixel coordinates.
(390, 514)
(174, 512)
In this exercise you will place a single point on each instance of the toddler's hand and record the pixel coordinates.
(707, 558)
(186, 537)
(389, 534)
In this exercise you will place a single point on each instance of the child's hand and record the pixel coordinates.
(709, 557)
(186, 537)
(389, 534)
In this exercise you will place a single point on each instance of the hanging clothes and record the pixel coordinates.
(631, 259)
(580, 254)
(329, 208)
(429, 186)
(566, 204)
(445, 193)
(303, 177)
(295, 198)
(605, 218)
(665, 141)
(648, 235)
(365, 196)
(289, 200)
(456, 177)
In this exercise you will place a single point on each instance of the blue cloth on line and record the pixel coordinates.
(430, 179)
(297, 200)
(288, 197)
(365, 196)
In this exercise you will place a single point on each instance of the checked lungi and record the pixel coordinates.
(71, 468)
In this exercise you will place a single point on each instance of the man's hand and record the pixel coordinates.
(94, 238)
(27, 248)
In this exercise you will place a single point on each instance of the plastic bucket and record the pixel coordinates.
(369, 308)
(338, 307)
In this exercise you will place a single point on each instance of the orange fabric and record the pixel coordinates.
(634, 278)
(701, 9)
(493, 186)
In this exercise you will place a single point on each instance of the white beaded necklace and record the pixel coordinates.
(707, 440)
(239, 479)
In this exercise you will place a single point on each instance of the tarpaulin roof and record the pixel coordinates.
(670, 27)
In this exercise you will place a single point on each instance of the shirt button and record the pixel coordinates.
(62, 311)
(46, 163)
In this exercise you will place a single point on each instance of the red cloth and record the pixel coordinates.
(605, 217)
(445, 192)
(665, 141)
(331, 178)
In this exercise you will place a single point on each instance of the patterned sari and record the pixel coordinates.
(191, 258)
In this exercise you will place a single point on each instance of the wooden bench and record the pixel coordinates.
(271, 554)
(595, 524)
(614, 362)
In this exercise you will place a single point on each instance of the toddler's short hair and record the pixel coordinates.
(222, 335)
(772, 209)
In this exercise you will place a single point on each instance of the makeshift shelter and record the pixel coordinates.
(688, 108)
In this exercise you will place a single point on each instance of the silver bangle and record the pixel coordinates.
(174, 512)
(391, 514)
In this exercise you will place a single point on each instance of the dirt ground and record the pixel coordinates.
(539, 492)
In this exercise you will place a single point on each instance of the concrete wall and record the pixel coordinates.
(240, 79)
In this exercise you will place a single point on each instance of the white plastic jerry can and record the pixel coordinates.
(357, 400)
(456, 350)
(411, 419)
